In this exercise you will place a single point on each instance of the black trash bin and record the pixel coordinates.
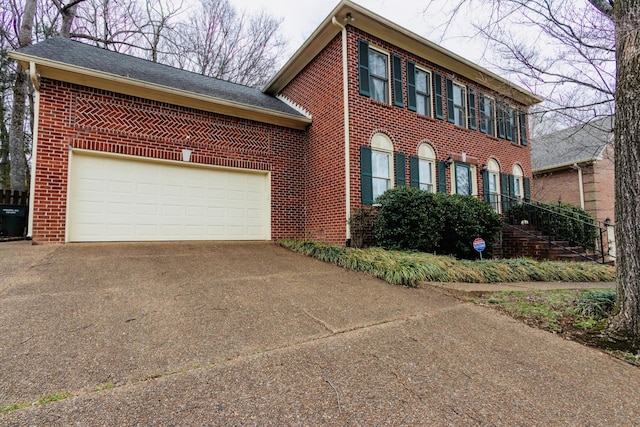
(13, 218)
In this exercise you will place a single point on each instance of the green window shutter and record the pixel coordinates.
(437, 90)
(414, 172)
(483, 121)
(471, 102)
(363, 68)
(401, 170)
(504, 191)
(411, 85)
(523, 127)
(366, 176)
(485, 186)
(450, 115)
(442, 177)
(398, 99)
(526, 182)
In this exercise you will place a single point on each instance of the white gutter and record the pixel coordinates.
(34, 146)
(580, 184)
(345, 95)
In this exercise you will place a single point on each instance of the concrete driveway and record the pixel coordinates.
(237, 334)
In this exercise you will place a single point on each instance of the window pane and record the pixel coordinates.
(425, 171)
(463, 185)
(421, 104)
(379, 186)
(457, 95)
(493, 183)
(377, 64)
(379, 90)
(380, 165)
(421, 82)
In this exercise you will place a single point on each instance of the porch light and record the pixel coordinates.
(449, 161)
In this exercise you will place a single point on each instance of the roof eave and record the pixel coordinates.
(561, 166)
(380, 27)
(100, 80)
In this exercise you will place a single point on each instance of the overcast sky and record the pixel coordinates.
(301, 18)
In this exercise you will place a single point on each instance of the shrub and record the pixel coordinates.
(596, 304)
(565, 221)
(413, 219)
(362, 222)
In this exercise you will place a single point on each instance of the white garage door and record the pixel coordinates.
(126, 199)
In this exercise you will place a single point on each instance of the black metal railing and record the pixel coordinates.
(569, 230)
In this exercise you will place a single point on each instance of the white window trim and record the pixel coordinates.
(493, 169)
(473, 170)
(429, 88)
(381, 143)
(428, 154)
(518, 177)
(465, 101)
(494, 115)
(389, 82)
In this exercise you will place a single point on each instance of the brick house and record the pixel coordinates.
(576, 166)
(129, 150)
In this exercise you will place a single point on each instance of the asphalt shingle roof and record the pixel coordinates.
(578, 144)
(79, 54)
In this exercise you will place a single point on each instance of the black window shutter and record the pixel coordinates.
(398, 99)
(450, 114)
(527, 189)
(471, 102)
(437, 90)
(523, 128)
(483, 121)
(504, 191)
(411, 85)
(401, 170)
(485, 186)
(366, 176)
(363, 68)
(414, 172)
(442, 177)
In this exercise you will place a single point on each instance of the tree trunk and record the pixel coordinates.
(16, 131)
(626, 323)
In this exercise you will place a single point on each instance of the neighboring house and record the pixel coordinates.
(576, 166)
(128, 150)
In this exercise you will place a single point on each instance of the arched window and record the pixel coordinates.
(426, 168)
(517, 182)
(491, 183)
(381, 164)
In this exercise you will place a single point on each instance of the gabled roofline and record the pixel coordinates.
(101, 80)
(378, 26)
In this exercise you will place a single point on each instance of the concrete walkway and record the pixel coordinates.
(252, 334)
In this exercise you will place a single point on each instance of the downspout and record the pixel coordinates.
(580, 184)
(345, 95)
(34, 146)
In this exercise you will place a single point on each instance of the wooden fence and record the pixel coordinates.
(14, 197)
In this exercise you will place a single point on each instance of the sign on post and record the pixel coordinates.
(479, 245)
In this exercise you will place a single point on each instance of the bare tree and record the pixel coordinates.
(219, 41)
(583, 56)
(18, 170)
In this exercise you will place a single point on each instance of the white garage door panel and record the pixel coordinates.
(123, 199)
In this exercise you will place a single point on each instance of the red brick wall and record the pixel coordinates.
(604, 183)
(319, 89)
(73, 116)
(558, 185)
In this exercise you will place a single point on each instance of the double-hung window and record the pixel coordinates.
(380, 171)
(377, 167)
(423, 92)
(491, 184)
(373, 73)
(487, 108)
(456, 103)
(379, 75)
